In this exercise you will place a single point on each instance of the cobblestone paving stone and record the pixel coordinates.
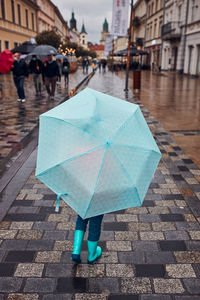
(149, 253)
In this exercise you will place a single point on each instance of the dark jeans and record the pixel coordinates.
(94, 226)
(66, 76)
(19, 83)
(50, 83)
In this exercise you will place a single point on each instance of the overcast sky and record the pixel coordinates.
(91, 12)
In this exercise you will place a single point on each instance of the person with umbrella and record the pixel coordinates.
(35, 67)
(20, 72)
(106, 164)
(51, 72)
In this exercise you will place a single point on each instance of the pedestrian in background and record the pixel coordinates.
(94, 251)
(93, 67)
(20, 72)
(87, 65)
(83, 65)
(51, 73)
(66, 69)
(35, 67)
(60, 70)
(99, 65)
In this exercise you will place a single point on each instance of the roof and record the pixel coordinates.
(97, 48)
(83, 29)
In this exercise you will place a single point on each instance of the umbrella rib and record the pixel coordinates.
(89, 133)
(136, 147)
(123, 124)
(71, 158)
(97, 179)
(127, 173)
(101, 118)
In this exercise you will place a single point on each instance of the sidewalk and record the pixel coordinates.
(149, 253)
(18, 120)
(173, 99)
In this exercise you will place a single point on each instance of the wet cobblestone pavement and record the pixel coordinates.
(149, 253)
(17, 119)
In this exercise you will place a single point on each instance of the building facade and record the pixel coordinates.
(192, 44)
(138, 24)
(18, 22)
(174, 35)
(50, 18)
(153, 41)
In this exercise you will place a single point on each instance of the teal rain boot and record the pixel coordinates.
(94, 252)
(78, 241)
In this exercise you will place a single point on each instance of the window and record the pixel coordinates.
(150, 32)
(179, 12)
(3, 9)
(83, 42)
(15, 44)
(33, 25)
(160, 26)
(26, 12)
(194, 10)
(156, 5)
(6, 44)
(152, 8)
(13, 10)
(155, 28)
(19, 14)
(149, 10)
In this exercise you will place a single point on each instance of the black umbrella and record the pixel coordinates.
(133, 52)
(24, 48)
(44, 50)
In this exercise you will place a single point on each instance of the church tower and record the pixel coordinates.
(73, 22)
(83, 37)
(104, 32)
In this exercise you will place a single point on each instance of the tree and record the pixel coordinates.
(80, 51)
(48, 38)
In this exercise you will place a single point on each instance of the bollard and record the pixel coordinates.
(136, 79)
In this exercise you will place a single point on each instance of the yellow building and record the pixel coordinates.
(18, 22)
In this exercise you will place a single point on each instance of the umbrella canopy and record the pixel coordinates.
(43, 50)
(24, 48)
(133, 52)
(6, 61)
(97, 152)
(60, 56)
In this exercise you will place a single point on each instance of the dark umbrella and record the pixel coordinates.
(6, 61)
(43, 50)
(133, 51)
(24, 48)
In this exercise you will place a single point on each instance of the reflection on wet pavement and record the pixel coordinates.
(174, 100)
(18, 119)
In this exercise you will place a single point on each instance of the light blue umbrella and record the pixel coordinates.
(97, 153)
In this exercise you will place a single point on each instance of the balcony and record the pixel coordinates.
(171, 31)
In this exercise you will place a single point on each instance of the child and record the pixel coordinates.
(94, 251)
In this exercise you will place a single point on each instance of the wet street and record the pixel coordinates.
(174, 100)
(17, 120)
(149, 253)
